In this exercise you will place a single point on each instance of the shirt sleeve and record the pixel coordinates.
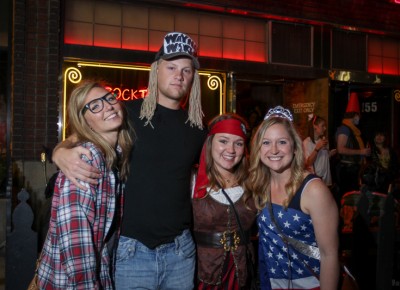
(308, 147)
(343, 130)
(76, 215)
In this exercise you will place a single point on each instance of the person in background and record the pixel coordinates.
(79, 247)
(350, 148)
(156, 249)
(316, 150)
(222, 169)
(298, 222)
(384, 161)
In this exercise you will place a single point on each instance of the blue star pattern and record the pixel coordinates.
(281, 263)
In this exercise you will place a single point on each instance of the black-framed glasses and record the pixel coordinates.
(97, 105)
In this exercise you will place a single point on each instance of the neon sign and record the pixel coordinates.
(128, 94)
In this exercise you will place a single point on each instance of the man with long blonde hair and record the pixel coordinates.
(156, 249)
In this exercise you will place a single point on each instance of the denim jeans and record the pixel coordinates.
(169, 266)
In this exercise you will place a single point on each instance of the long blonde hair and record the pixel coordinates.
(195, 113)
(259, 181)
(78, 126)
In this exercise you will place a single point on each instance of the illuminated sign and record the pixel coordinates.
(127, 94)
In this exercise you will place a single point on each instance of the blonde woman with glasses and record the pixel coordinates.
(79, 247)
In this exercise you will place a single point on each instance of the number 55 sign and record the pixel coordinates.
(369, 107)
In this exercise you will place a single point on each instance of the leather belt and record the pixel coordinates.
(229, 240)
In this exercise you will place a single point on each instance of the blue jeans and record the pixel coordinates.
(169, 266)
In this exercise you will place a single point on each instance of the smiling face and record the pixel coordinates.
(227, 151)
(106, 122)
(277, 148)
(174, 80)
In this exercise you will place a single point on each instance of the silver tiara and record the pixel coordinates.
(279, 112)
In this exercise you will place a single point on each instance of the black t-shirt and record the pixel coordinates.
(157, 204)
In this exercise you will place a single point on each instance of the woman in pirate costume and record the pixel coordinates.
(221, 247)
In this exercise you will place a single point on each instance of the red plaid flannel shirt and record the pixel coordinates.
(75, 253)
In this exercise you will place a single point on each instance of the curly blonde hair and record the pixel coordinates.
(259, 180)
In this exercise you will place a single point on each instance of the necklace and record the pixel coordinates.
(230, 182)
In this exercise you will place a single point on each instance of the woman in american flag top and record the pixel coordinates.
(84, 223)
(298, 220)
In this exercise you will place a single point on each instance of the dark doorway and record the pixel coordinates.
(253, 99)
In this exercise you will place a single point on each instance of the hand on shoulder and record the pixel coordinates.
(69, 160)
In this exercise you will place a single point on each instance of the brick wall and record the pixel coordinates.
(35, 85)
